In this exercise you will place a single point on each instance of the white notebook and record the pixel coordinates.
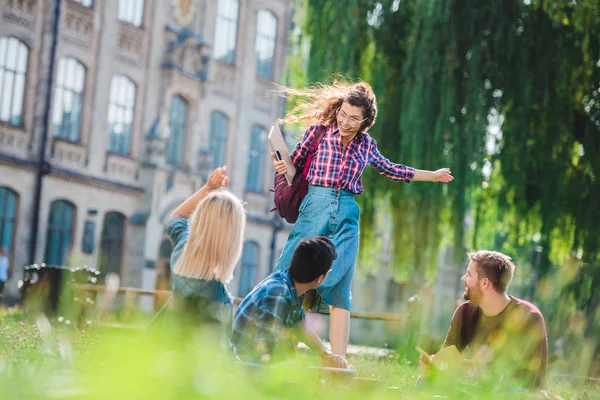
(280, 149)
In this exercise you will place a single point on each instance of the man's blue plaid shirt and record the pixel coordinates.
(263, 321)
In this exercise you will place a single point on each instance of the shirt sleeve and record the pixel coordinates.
(453, 336)
(178, 229)
(536, 361)
(396, 172)
(300, 152)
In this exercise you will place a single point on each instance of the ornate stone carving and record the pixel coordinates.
(184, 52)
(21, 12)
(184, 11)
(130, 42)
(79, 26)
(121, 168)
(13, 141)
(68, 154)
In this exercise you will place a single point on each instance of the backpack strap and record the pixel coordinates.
(321, 131)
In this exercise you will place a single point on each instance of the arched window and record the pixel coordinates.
(177, 131)
(226, 30)
(219, 126)
(8, 218)
(120, 114)
(111, 243)
(13, 69)
(59, 233)
(68, 99)
(248, 268)
(266, 33)
(256, 161)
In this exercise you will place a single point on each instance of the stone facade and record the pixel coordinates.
(169, 53)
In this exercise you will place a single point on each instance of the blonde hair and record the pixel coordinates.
(319, 103)
(215, 240)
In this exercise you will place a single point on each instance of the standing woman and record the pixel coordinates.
(346, 111)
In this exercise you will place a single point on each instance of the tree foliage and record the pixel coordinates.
(505, 93)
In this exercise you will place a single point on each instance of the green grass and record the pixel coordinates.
(37, 361)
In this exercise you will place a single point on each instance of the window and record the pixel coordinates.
(111, 244)
(219, 125)
(266, 32)
(177, 131)
(13, 68)
(226, 30)
(8, 215)
(254, 180)
(248, 268)
(120, 114)
(59, 234)
(163, 270)
(131, 11)
(87, 3)
(68, 99)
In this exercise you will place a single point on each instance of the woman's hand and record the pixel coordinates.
(217, 178)
(280, 165)
(443, 175)
(333, 360)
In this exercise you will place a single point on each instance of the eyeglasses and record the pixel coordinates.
(343, 117)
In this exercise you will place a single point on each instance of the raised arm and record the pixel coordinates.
(441, 175)
(217, 179)
(399, 172)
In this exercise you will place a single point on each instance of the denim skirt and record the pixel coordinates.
(333, 213)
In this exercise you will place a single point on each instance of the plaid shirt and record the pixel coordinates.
(265, 316)
(337, 168)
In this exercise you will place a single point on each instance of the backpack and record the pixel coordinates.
(289, 197)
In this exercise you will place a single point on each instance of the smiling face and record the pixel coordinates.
(473, 290)
(349, 119)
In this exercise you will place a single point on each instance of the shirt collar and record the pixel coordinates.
(290, 282)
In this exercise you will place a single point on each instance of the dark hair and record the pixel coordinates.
(319, 103)
(362, 95)
(312, 258)
(495, 266)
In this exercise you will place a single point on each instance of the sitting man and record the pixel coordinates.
(506, 336)
(267, 319)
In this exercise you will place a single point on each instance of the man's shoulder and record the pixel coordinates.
(527, 307)
(466, 307)
(274, 285)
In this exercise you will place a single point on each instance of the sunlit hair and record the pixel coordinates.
(495, 266)
(215, 239)
(318, 104)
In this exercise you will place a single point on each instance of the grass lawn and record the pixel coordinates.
(42, 361)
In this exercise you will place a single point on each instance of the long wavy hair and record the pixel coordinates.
(319, 103)
(215, 239)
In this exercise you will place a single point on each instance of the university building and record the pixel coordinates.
(112, 112)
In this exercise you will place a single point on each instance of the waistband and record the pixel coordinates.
(329, 192)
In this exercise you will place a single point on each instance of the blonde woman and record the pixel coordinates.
(207, 232)
(346, 111)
